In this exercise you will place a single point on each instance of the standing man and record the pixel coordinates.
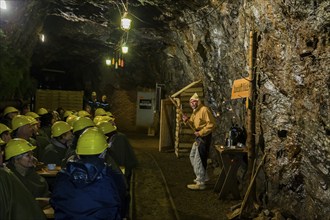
(104, 104)
(93, 102)
(203, 123)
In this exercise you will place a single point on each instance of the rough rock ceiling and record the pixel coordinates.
(85, 33)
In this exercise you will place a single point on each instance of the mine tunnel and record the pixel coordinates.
(254, 73)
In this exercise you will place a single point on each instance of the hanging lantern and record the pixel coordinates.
(108, 62)
(124, 49)
(125, 22)
(42, 37)
(3, 4)
(116, 65)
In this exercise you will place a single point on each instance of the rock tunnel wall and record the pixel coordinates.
(292, 66)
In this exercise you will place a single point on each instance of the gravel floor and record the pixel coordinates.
(151, 196)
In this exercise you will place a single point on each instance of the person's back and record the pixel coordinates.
(122, 151)
(88, 188)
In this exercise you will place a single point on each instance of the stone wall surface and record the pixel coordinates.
(292, 67)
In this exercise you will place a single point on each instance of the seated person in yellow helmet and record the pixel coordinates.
(19, 154)
(23, 127)
(16, 202)
(89, 188)
(46, 122)
(79, 126)
(41, 138)
(61, 139)
(5, 133)
(120, 150)
(8, 114)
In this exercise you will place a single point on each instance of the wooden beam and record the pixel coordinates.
(185, 88)
(251, 112)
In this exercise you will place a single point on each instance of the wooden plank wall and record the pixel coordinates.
(52, 99)
(166, 137)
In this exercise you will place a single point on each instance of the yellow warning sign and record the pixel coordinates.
(241, 88)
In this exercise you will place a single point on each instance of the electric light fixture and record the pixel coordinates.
(125, 22)
(124, 49)
(42, 37)
(3, 4)
(108, 62)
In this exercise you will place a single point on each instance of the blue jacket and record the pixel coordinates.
(88, 189)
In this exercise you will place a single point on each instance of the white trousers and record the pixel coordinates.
(196, 162)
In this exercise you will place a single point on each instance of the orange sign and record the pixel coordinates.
(241, 88)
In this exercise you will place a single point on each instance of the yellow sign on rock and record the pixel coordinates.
(241, 88)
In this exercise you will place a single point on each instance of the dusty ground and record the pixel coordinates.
(154, 198)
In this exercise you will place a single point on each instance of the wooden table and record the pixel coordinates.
(231, 159)
(48, 173)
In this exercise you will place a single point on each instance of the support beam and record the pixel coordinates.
(251, 115)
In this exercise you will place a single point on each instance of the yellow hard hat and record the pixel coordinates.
(19, 121)
(83, 113)
(67, 114)
(9, 109)
(107, 127)
(108, 118)
(71, 119)
(100, 111)
(98, 119)
(91, 142)
(81, 123)
(59, 128)
(33, 121)
(109, 114)
(112, 118)
(32, 114)
(4, 128)
(16, 147)
(42, 111)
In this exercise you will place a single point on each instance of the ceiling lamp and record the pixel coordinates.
(42, 37)
(108, 62)
(125, 22)
(3, 4)
(124, 49)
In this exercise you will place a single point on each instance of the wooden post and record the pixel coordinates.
(251, 115)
